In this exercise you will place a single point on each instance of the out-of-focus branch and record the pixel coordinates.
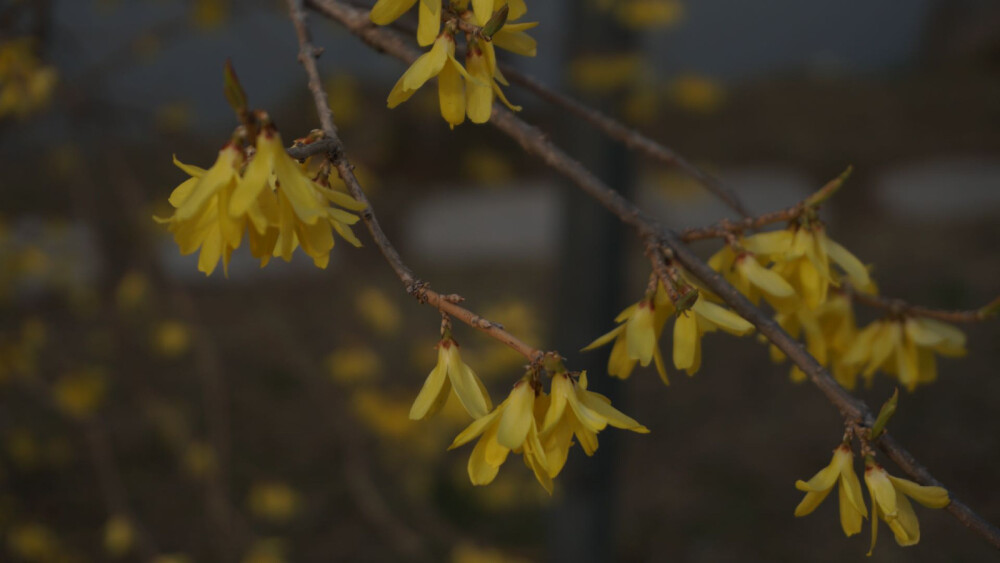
(900, 307)
(629, 137)
(537, 143)
(334, 147)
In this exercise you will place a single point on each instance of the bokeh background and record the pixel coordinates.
(146, 410)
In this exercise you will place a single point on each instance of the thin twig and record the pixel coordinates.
(333, 146)
(900, 307)
(629, 137)
(537, 143)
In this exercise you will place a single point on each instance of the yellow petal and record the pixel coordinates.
(855, 269)
(602, 406)
(882, 491)
(602, 340)
(929, 496)
(640, 336)
(765, 279)
(905, 526)
(430, 21)
(387, 11)
(429, 64)
(686, 340)
(451, 94)
(518, 417)
(465, 383)
(477, 427)
(850, 518)
(434, 386)
(722, 317)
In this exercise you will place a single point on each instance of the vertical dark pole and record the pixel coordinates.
(591, 274)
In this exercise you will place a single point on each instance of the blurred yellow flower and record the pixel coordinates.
(171, 339)
(210, 14)
(355, 364)
(33, 542)
(697, 93)
(605, 73)
(119, 536)
(80, 393)
(271, 550)
(904, 349)
(649, 14)
(470, 553)
(386, 416)
(132, 291)
(273, 501)
(377, 310)
(198, 459)
(26, 85)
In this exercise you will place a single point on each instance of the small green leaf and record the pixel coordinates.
(991, 310)
(235, 95)
(496, 22)
(831, 187)
(888, 409)
(686, 301)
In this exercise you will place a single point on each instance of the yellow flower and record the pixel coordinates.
(512, 426)
(588, 414)
(839, 471)
(745, 272)
(889, 501)
(635, 338)
(802, 255)
(286, 209)
(451, 373)
(703, 317)
(439, 61)
(387, 11)
(905, 349)
(829, 333)
(200, 219)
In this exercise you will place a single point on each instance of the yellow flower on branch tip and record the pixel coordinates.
(889, 501)
(587, 414)
(904, 349)
(703, 317)
(635, 338)
(451, 373)
(511, 426)
(286, 208)
(802, 255)
(839, 471)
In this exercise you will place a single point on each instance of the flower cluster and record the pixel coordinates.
(467, 90)
(641, 325)
(268, 195)
(799, 272)
(888, 495)
(539, 426)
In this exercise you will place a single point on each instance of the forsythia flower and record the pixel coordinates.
(636, 337)
(889, 501)
(642, 324)
(802, 255)
(541, 427)
(273, 200)
(839, 471)
(474, 95)
(451, 373)
(200, 220)
(905, 348)
(829, 332)
(588, 414)
(512, 426)
(703, 317)
(744, 271)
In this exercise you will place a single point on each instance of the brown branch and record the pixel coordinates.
(536, 143)
(629, 137)
(334, 147)
(900, 307)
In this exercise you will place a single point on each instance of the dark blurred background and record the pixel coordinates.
(146, 409)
